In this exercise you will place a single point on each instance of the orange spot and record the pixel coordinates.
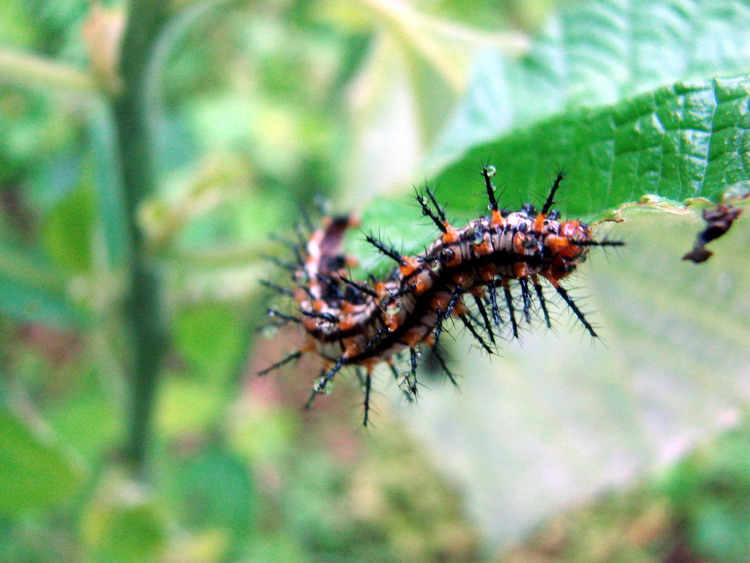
(349, 320)
(518, 243)
(562, 247)
(310, 324)
(485, 247)
(423, 282)
(391, 321)
(497, 219)
(411, 264)
(521, 270)
(556, 243)
(538, 225)
(318, 305)
(451, 235)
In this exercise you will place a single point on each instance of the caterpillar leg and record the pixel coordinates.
(397, 376)
(368, 388)
(413, 362)
(443, 364)
(493, 306)
(485, 318)
(511, 310)
(526, 295)
(290, 358)
(573, 307)
(277, 288)
(319, 387)
(283, 316)
(542, 302)
(475, 334)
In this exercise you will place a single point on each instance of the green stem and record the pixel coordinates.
(143, 303)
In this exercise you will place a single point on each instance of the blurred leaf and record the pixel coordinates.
(33, 133)
(17, 25)
(710, 495)
(34, 474)
(412, 77)
(263, 435)
(210, 337)
(214, 489)
(87, 408)
(68, 230)
(123, 523)
(187, 405)
(488, 13)
(594, 53)
(32, 71)
(32, 290)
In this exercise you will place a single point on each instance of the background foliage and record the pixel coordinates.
(146, 153)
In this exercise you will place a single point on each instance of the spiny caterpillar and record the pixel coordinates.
(467, 274)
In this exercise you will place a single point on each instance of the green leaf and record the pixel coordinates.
(87, 407)
(214, 488)
(34, 474)
(210, 337)
(32, 290)
(616, 93)
(711, 493)
(681, 141)
(123, 523)
(186, 406)
(68, 231)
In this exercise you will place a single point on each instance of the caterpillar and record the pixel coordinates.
(467, 274)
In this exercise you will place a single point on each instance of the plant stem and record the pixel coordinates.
(143, 302)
